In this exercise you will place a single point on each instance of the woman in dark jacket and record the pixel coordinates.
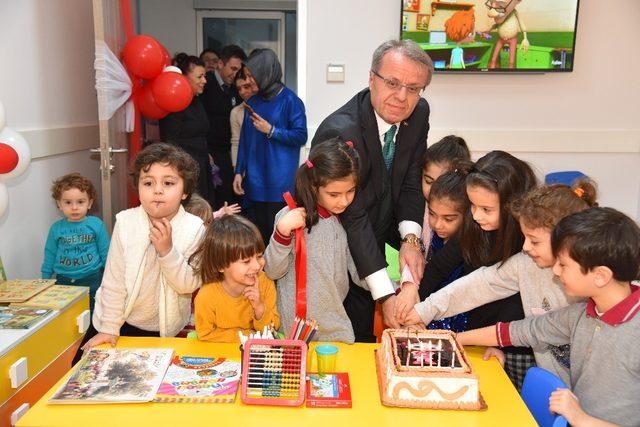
(188, 128)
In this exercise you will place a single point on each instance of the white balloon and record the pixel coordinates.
(4, 198)
(17, 142)
(3, 116)
(172, 68)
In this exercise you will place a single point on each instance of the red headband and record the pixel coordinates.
(309, 164)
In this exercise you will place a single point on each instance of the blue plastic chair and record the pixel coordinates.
(537, 387)
(563, 177)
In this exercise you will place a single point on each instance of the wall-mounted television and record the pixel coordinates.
(493, 35)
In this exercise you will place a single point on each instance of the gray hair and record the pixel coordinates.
(407, 48)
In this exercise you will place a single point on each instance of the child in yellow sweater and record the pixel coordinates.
(237, 296)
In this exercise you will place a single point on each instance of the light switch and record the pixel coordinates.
(18, 413)
(18, 372)
(83, 320)
(335, 73)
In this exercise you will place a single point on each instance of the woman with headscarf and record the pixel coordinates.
(274, 129)
(188, 129)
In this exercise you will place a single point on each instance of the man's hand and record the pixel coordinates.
(388, 312)
(407, 298)
(260, 124)
(237, 185)
(295, 218)
(160, 236)
(413, 258)
(98, 339)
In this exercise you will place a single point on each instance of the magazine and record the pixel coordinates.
(56, 297)
(20, 317)
(200, 380)
(22, 290)
(116, 375)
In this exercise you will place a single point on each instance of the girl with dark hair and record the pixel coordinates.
(438, 159)
(448, 203)
(490, 234)
(188, 128)
(325, 186)
(274, 129)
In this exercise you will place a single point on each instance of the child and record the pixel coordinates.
(324, 187)
(448, 203)
(597, 256)
(439, 158)
(489, 234)
(77, 246)
(528, 272)
(147, 284)
(237, 295)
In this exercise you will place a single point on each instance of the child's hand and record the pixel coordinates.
(564, 402)
(412, 318)
(230, 209)
(497, 353)
(407, 298)
(252, 293)
(98, 339)
(161, 236)
(291, 220)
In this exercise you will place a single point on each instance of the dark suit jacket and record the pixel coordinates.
(218, 106)
(355, 121)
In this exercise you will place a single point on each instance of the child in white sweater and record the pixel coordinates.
(147, 284)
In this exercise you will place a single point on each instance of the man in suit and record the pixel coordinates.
(219, 98)
(388, 123)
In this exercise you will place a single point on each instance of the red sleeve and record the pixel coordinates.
(286, 241)
(502, 334)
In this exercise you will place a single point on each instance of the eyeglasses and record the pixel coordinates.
(501, 6)
(395, 85)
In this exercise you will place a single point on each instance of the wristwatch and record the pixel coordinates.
(414, 241)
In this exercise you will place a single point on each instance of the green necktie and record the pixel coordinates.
(389, 147)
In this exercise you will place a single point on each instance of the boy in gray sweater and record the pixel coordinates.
(598, 256)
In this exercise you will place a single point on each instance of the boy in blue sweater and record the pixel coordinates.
(77, 246)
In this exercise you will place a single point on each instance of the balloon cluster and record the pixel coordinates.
(166, 90)
(15, 157)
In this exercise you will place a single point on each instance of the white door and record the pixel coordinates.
(114, 160)
(247, 29)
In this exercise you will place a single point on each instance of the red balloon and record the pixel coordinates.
(8, 158)
(144, 56)
(172, 91)
(147, 104)
(167, 58)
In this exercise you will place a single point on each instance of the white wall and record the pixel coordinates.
(47, 88)
(585, 120)
(172, 22)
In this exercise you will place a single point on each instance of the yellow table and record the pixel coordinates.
(505, 405)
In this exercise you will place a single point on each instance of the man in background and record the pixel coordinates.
(219, 97)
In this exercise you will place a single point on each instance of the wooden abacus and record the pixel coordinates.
(273, 372)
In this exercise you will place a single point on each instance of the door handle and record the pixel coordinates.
(111, 150)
